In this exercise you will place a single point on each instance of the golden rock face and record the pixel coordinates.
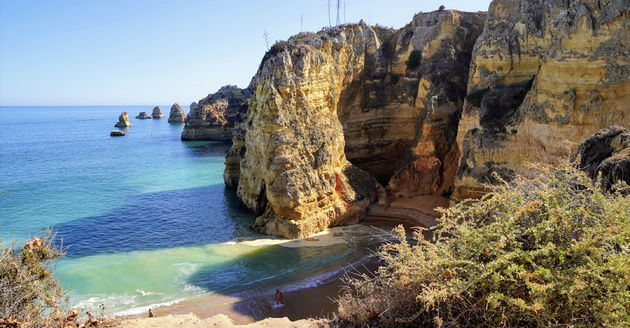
(321, 102)
(543, 78)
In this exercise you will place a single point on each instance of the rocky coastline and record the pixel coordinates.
(344, 121)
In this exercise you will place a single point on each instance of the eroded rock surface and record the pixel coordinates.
(213, 118)
(157, 113)
(349, 93)
(542, 73)
(177, 114)
(123, 121)
(400, 118)
(606, 155)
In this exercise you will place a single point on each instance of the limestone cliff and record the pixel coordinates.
(542, 73)
(213, 118)
(400, 117)
(387, 100)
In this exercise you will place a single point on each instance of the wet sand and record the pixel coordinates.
(313, 302)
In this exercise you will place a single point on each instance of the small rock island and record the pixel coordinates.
(143, 116)
(157, 113)
(123, 121)
(177, 114)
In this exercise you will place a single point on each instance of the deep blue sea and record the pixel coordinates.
(146, 217)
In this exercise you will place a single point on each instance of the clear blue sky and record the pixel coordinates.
(142, 52)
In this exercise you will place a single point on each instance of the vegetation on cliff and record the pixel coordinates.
(554, 250)
(30, 295)
(29, 291)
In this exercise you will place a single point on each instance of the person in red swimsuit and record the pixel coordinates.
(279, 297)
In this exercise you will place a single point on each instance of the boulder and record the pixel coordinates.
(606, 155)
(123, 121)
(177, 114)
(116, 133)
(143, 116)
(157, 113)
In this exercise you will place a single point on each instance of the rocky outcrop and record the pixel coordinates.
(123, 121)
(116, 133)
(157, 113)
(386, 100)
(213, 118)
(400, 117)
(143, 116)
(606, 155)
(542, 73)
(177, 114)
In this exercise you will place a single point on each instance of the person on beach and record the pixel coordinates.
(150, 313)
(279, 297)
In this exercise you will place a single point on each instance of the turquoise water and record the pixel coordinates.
(146, 217)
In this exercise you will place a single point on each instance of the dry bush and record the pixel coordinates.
(549, 251)
(30, 295)
(29, 291)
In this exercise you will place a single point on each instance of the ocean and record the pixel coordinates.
(146, 218)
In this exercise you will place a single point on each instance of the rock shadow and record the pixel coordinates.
(166, 219)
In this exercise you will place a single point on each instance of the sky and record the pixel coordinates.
(145, 52)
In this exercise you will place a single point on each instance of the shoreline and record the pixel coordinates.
(304, 303)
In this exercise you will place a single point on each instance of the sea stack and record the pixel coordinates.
(177, 114)
(157, 112)
(143, 116)
(214, 117)
(123, 121)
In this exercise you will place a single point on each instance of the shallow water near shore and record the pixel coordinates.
(146, 217)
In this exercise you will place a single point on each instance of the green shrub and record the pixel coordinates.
(552, 251)
(415, 57)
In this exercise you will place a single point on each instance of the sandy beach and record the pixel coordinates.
(305, 307)
(258, 309)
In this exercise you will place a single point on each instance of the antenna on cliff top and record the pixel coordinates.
(266, 37)
(329, 21)
(338, 22)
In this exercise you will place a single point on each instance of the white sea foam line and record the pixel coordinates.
(328, 237)
(143, 309)
(321, 278)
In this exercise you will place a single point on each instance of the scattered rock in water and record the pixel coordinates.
(177, 114)
(123, 121)
(143, 116)
(116, 133)
(157, 112)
